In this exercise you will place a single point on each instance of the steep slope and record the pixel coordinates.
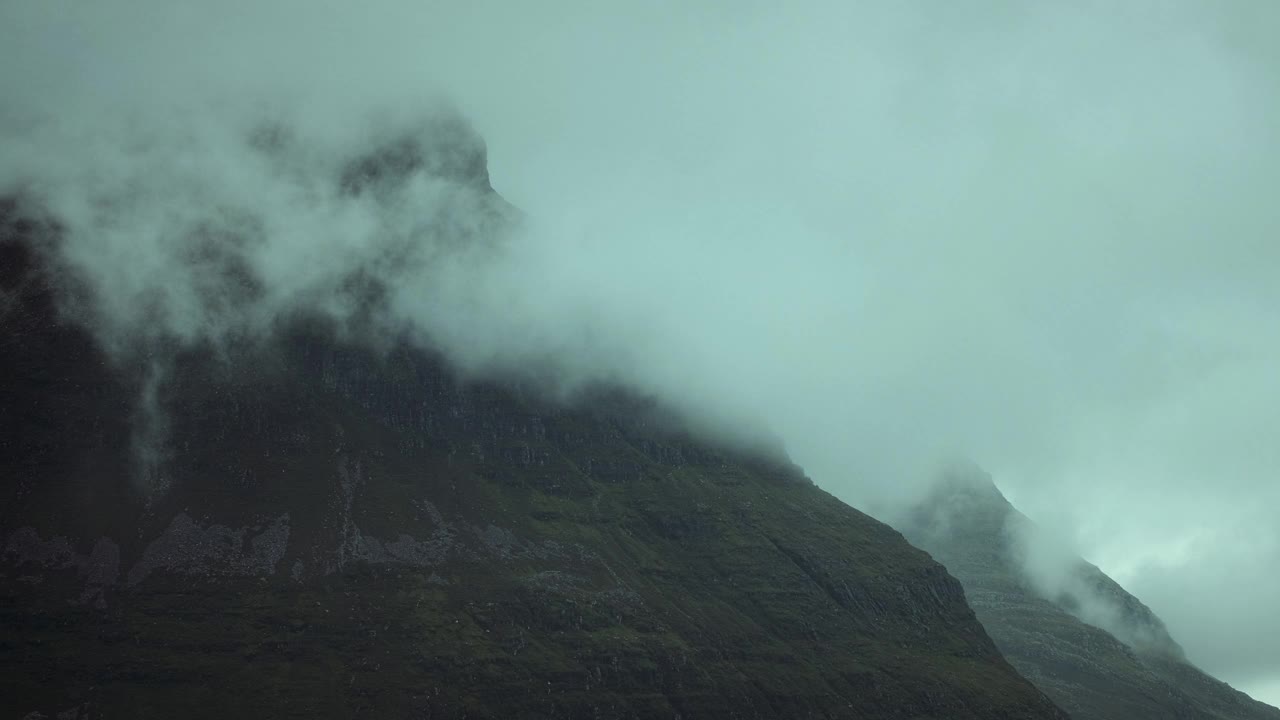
(1092, 647)
(303, 526)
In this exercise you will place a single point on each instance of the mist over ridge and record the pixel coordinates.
(1039, 237)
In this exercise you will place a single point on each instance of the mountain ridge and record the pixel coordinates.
(310, 525)
(1095, 649)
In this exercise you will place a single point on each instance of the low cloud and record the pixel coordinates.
(1040, 236)
(1055, 571)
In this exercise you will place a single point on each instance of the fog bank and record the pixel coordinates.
(1040, 237)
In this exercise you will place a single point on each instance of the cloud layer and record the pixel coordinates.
(1041, 237)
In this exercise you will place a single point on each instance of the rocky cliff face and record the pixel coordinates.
(310, 525)
(1092, 647)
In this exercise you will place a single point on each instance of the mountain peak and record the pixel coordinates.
(442, 145)
(968, 480)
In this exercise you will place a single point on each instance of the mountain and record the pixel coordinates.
(317, 523)
(1093, 648)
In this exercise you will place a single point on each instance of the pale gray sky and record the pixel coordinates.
(1040, 235)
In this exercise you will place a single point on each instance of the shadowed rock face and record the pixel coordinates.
(1093, 648)
(321, 530)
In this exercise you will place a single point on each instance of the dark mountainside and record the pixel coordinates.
(306, 526)
(1134, 672)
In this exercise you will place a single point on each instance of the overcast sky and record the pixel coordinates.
(1043, 236)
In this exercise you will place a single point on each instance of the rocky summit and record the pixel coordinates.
(312, 523)
(1095, 649)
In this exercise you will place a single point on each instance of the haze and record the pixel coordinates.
(1040, 236)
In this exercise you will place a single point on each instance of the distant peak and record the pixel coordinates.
(443, 145)
(966, 482)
